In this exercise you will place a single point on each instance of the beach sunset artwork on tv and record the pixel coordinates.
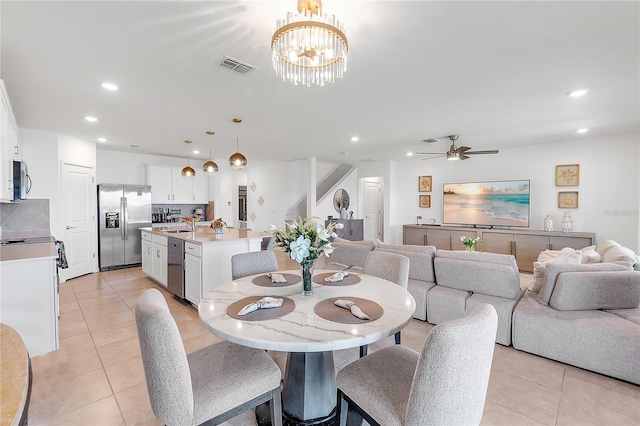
(495, 203)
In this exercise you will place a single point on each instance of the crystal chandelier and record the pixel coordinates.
(309, 47)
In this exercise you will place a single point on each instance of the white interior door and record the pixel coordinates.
(78, 219)
(372, 210)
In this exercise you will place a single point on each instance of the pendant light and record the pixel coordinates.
(188, 171)
(210, 167)
(237, 160)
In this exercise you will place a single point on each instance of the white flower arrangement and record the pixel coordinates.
(306, 239)
(470, 243)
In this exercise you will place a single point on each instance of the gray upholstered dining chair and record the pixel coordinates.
(245, 264)
(389, 266)
(213, 384)
(445, 384)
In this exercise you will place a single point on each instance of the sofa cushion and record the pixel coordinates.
(594, 340)
(369, 243)
(478, 275)
(420, 264)
(546, 257)
(577, 291)
(619, 254)
(554, 269)
(349, 254)
(406, 247)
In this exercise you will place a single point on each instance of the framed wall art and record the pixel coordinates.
(425, 201)
(568, 200)
(424, 183)
(568, 175)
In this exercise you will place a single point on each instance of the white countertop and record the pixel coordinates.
(28, 251)
(205, 235)
(302, 330)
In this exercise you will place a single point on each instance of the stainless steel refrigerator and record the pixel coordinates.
(122, 211)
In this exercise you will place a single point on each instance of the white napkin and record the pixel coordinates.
(276, 278)
(264, 303)
(338, 276)
(355, 309)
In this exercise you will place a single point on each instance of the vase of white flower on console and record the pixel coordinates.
(306, 240)
(470, 243)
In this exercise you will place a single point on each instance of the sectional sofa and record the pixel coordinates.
(583, 314)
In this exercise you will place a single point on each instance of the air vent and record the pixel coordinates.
(236, 65)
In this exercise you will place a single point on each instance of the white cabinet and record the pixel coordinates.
(192, 272)
(29, 301)
(8, 144)
(169, 186)
(147, 253)
(159, 253)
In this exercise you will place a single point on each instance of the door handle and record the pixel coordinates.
(71, 227)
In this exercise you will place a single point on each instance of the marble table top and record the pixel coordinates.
(303, 330)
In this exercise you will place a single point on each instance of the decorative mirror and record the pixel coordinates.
(340, 200)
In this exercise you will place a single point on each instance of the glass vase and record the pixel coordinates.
(548, 223)
(306, 270)
(567, 222)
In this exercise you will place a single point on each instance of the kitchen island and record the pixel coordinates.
(207, 256)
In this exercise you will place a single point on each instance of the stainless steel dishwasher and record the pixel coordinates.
(175, 267)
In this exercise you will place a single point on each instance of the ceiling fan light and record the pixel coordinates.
(452, 155)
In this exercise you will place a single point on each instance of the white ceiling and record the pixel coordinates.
(496, 73)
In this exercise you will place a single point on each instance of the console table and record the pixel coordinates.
(524, 244)
(353, 228)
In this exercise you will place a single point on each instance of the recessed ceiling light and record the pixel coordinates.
(345, 152)
(409, 154)
(355, 139)
(583, 130)
(91, 119)
(109, 86)
(578, 93)
(102, 139)
(195, 151)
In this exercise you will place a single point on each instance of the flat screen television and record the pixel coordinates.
(495, 203)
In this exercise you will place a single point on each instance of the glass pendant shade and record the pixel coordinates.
(188, 172)
(237, 160)
(210, 167)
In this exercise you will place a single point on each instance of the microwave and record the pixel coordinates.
(21, 180)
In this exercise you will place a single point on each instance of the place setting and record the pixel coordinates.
(340, 278)
(260, 308)
(348, 310)
(276, 279)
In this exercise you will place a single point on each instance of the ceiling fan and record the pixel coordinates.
(455, 152)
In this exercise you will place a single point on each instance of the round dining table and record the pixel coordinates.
(309, 328)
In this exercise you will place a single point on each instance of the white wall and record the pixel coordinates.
(608, 190)
(44, 151)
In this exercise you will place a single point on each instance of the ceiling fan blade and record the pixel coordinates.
(461, 149)
(463, 157)
(431, 153)
(490, 151)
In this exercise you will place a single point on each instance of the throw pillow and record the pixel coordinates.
(619, 254)
(606, 245)
(540, 267)
(590, 255)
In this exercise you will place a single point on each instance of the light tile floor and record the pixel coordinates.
(96, 377)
